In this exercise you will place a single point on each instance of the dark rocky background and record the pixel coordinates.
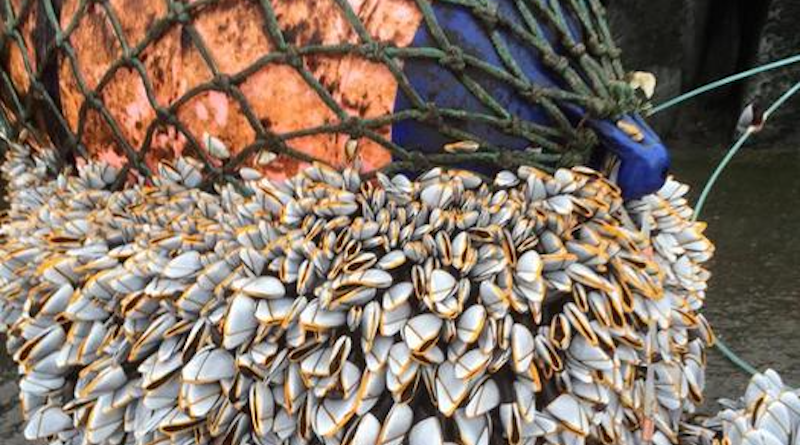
(688, 43)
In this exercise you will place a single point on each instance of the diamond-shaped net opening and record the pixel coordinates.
(134, 82)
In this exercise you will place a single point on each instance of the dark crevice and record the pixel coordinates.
(690, 43)
(731, 41)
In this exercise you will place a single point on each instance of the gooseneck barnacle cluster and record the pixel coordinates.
(331, 309)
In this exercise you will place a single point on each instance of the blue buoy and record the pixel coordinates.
(644, 163)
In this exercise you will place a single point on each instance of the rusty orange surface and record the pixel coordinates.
(234, 33)
(16, 60)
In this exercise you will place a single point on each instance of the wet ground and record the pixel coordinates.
(754, 300)
(11, 423)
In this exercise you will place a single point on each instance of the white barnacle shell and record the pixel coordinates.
(209, 365)
(215, 146)
(260, 287)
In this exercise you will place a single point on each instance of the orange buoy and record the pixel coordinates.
(233, 35)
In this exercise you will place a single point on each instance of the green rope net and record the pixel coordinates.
(590, 72)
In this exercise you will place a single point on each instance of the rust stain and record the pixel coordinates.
(233, 31)
(126, 99)
(137, 16)
(219, 115)
(16, 63)
(235, 34)
(95, 50)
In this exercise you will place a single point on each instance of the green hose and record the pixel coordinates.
(721, 346)
(725, 81)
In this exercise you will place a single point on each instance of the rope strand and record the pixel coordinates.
(724, 82)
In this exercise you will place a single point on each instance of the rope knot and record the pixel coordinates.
(508, 160)
(578, 50)
(596, 47)
(71, 141)
(430, 114)
(533, 93)
(579, 148)
(37, 91)
(487, 13)
(453, 58)
(223, 81)
(599, 108)
(179, 13)
(513, 125)
(570, 159)
(353, 127)
(373, 51)
(559, 64)
(292, 57)
(93, 99)
(419, 160)
(163, 115)
(60, 39)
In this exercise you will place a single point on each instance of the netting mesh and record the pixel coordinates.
(39, 54)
